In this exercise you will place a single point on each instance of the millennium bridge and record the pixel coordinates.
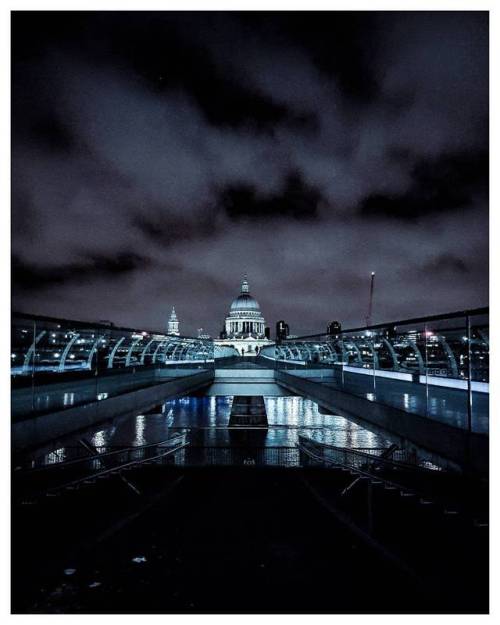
(360, 457)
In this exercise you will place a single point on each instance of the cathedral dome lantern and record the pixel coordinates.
(244, 302)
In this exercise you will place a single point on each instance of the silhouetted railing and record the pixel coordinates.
(241, 456)
(54, 475)
(357, 458)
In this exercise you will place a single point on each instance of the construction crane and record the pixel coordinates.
(370, 304)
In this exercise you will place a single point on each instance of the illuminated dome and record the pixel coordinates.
(245, 302)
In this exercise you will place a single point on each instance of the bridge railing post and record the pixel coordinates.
(469, 374)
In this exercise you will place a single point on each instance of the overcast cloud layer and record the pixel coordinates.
(159, 156)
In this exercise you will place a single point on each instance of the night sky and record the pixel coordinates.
(156, 157)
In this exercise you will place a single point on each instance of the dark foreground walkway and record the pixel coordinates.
(223, 540)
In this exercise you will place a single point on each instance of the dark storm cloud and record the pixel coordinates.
(51, 133)
(158, 156)
(296, 200)
(448, 183)
(34, 277)
(168, 231)
(446, 263)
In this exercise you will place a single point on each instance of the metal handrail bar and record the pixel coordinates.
(367, 457)
(115, 469)
(371, 476)
(229, 455)
(123, 448)
(436, 498)
(100, 456)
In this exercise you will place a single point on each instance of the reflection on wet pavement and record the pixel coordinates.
(286, 415)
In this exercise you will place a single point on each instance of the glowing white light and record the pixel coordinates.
(72, 356)
(99, 439)
(69, 399)
(139, 430)
(58, 455)
(57, 355)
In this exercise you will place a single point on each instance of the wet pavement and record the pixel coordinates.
(206, 420)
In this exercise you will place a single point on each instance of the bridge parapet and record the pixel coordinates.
(57, 364)
(436, 367)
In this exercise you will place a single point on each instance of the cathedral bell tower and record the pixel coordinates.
(173, 324)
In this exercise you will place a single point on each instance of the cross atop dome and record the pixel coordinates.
(244, 285)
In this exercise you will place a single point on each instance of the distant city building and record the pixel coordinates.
(267, 332)
(244, 326)
(173, 324)
(282, 330)
(390, 332)
(203, 335)
(412, 336)
(334, 328)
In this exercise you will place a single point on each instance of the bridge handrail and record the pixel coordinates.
(356, 456)
(47, 346)
(231, 455)
(105, 455)
(360, 472)
(116, 469)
